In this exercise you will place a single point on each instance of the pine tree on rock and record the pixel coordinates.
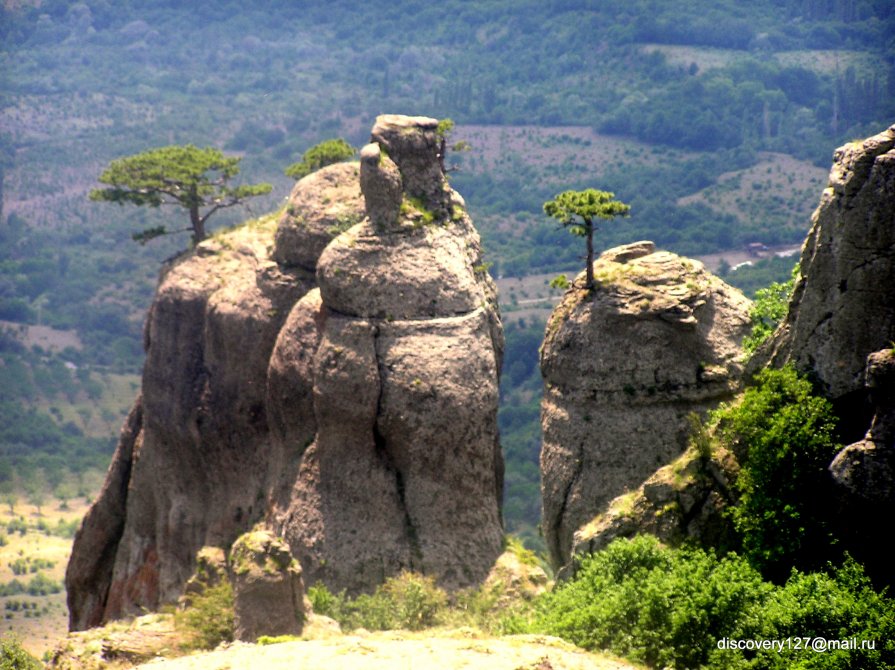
(196, 179)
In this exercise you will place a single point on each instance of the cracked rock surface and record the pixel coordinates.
(658, 338)
(333, 373)
(843, 305)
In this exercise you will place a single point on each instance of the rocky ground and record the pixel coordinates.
(463, 648)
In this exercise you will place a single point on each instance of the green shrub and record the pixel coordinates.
(675, 607)
(14, 657)
(208, 621)
(17, 525)
(41, 585)
(655, 605)
(408, 601)
(11, 588)
(782, 435)
(768, 310)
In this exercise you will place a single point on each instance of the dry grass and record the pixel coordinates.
(560, 151)
(398, 650)
(825, 62)
(38, 634)
(777, 183)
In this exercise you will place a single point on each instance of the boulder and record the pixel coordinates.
(268, 592)
(399, 369)
(322, 205)
(864, 475)
(624, 365)
(681, 502)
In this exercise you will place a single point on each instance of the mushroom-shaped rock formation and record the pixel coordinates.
(398, 364)
(657, 338)
(359, 419)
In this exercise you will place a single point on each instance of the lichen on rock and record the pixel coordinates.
(332, 369)
(843, 305)
(658, 338)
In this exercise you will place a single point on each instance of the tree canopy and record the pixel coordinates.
(579, 211)
(320, 155)
(196, 179)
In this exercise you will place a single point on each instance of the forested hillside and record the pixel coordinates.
(714, 120)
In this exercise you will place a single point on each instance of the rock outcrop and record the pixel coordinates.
(658, 338)
(334, 373)
(864, 474)
(683, 501)
(394, 363)
(843, 305)
(268, 591)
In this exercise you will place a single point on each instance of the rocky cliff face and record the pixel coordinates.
(864, 474)
(623, 366)
(843, 305)
(335, 374)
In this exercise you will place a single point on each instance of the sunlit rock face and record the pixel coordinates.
(332, 370)
(623, 365)
(843, 305)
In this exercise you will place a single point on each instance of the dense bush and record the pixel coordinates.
(783, 436)
(208, 621)
(768, 310)
(408, 601)
(14, 657)
(676, 607)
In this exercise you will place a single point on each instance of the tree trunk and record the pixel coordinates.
(198, 225)
(589, 283)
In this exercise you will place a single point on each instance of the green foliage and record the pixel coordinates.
(444, 130)
(671, 607)
(39, 585)
(560, 282)
(768, 310)
(579, 211)
(321, 155)
(761, 274)
(26, 564)
(518, 549)
(651, 604)
(838, 604)
(408, 601)
(14, 657)
(783, 436)
(192, 178)
(208, 621)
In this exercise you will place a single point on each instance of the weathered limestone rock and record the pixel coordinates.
(623, 366)
(413, 143)
(268, 592)
(843, 306)
(864, 475)
(684, 500)
(399, 369)
(89, 573)
(359, 419)
(211, 570)
(381, 184)
(322, 205)
(198, 466)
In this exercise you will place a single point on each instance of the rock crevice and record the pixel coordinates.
(623, 366)
(332, 370)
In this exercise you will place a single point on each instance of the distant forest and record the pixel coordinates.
(697, 98)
